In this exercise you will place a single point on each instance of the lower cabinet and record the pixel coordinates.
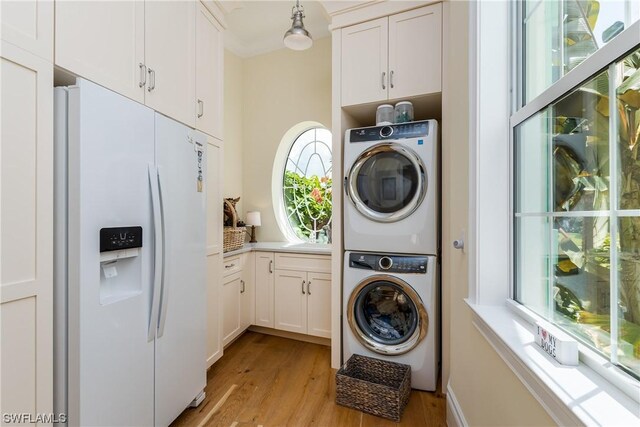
(231, 296)
(289, 292)
(303, 302)
(264, 284)
(238, 298)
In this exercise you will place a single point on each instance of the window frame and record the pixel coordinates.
(506, 324)
(279, 167)
(604, 59)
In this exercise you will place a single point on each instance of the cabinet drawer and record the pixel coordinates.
(231, 265)
(304, 262)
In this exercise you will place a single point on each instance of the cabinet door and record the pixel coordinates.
(248, 303)
(26, 220)
(364, 62)
(291, 301)
(28, 24)
(231, 308)
(214, 310)
(209, 66)
(264, 289)
(170, 57)
(319, 305)
(213, 190)
(415, 52)
(103, 41)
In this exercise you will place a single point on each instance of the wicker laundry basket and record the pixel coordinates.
(374, 386)
(233, 237)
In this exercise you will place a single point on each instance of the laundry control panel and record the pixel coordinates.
(118, 238)
(389, 263)
(400, 131)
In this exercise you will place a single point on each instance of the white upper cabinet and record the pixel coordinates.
(364, 62)
(146, 50)
(28, 24)
(394, 57)
(209, 69)
(103, 41)
(415, 52)
(170, 57)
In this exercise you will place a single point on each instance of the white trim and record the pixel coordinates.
(455, 416)
(489, 152)
(598, 61)
(570, 395)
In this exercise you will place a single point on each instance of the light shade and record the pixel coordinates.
(253, 218)
(297, 37)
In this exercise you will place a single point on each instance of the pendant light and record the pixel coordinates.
(297, 37)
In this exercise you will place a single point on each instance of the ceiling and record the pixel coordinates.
(257, 27)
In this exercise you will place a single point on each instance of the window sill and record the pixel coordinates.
(572, 395)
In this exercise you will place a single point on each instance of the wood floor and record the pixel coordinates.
(264, 380)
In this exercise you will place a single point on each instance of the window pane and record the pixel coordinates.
(560, 34)
(532, 164)
(581, 148)
(533, 262)
(307, 185)
(573, 290)
(628, 99)
(629, 293)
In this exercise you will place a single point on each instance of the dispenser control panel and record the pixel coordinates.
(389, 263)
(118, 238)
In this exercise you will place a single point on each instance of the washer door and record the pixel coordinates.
(387, 182)
(386, 315)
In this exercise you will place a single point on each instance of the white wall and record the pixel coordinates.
(487, 390)
(233, 113)
(280, 89)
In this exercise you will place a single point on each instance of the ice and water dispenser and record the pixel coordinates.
(120, 264)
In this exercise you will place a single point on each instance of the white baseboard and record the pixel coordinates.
(455, 417)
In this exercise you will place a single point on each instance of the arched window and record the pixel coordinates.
(302, 170)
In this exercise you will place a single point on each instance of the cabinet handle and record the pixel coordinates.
(384, 74)
(391, 79)
(143, 75)
(229, 266)
(242, 283)
(309, 287)
(152, 80)
(303, 282)
(270, 266)
(200, 108)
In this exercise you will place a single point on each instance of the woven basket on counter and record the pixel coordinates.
(233, 237)
(374, 386)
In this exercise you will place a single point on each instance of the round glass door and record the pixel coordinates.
(387, 182)
(387, 315)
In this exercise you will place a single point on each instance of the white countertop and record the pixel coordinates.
(300, 248)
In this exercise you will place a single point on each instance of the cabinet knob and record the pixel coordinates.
(200, 108)
(143, 75)
(152, 80)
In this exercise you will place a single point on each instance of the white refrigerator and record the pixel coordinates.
(129, 261)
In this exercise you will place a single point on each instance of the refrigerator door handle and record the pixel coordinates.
(157, 259)
(165, 286)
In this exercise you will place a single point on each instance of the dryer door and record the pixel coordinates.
(387, 182)
(386, 315)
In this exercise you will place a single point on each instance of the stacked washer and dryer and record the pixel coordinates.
(391, 239)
